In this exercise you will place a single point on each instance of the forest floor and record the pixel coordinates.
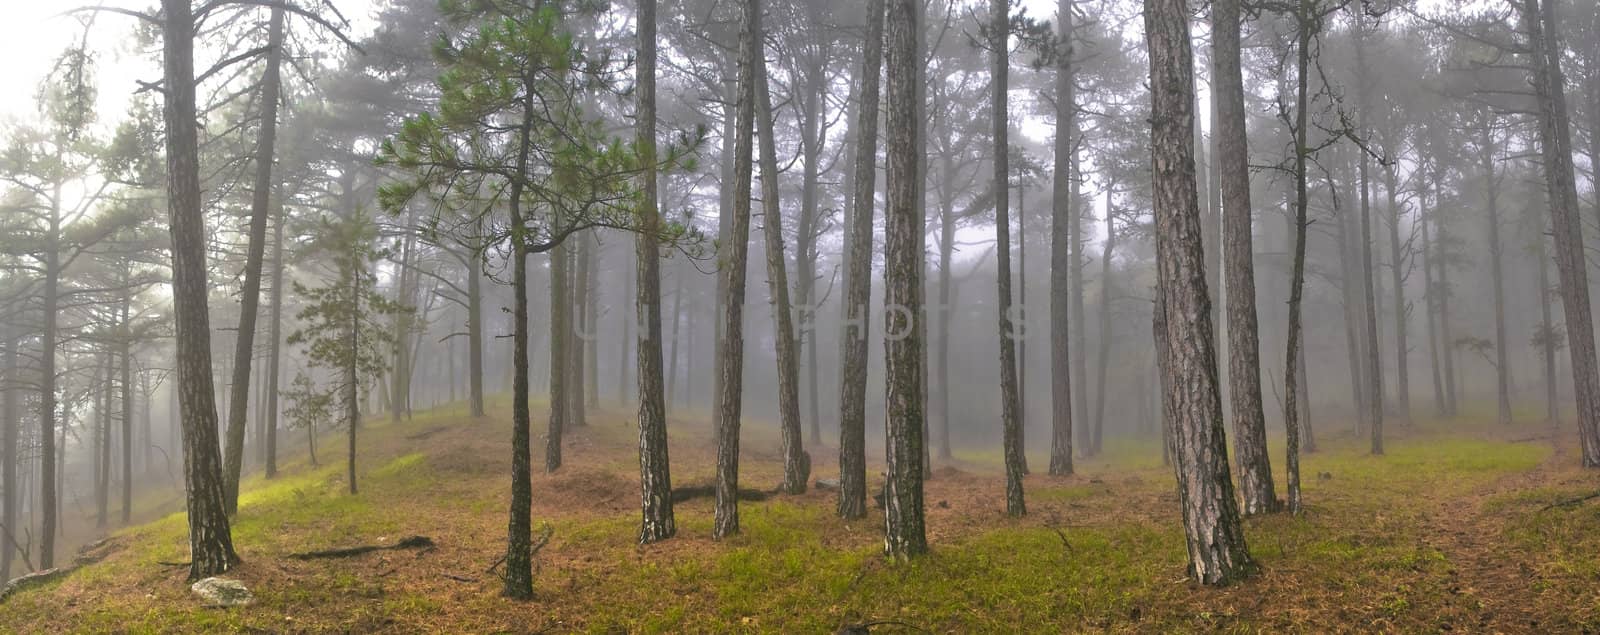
(1452, 530)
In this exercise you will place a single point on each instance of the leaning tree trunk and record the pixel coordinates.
(1217, 552)
(903, 263)
(730, 356)
(796, 462)
(1010, 418)
(1555, 146)
(210, 538)
(655, 479)
(250, 295)
(1061, 252)
(858, 280)
(1231, 164)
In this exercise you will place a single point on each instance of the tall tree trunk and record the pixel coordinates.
(1555, 145)
(102, 439)
(591, 325)
(1430, 302)
(1446, 339)
(947, 297)
(10, 427)
(1547, 343)
(352, 388)
(1104, 358)
(1502, 365)
(1217, 552)
(796, 462)
(1294, 339)
(655, 479)
(475, 334)
(1397, 286)
(730, 356)
(1374, 371)
(210, 537)
(126, 354)
(561, 393)
(1022, 316)
(858, 278)
(1061, 254)
(275, 332)
(1010, 418)
(1079, 321)
(1232, 165)
(626, 343)
(579, 334)
(813, 109)
(677, 319)
(903, 263)
(250, 295)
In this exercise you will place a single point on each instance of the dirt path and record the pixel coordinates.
(1490, 583)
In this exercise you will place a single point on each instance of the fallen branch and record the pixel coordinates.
(681, 494)
(865, 628)
(458, 578)
(411, 542)
(33, 579)
(1570, 502)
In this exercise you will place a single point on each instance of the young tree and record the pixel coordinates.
(1217, 552)
(344, 330)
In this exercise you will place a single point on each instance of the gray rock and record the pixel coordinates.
(223, 592)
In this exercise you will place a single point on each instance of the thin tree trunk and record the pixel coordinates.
(250, 295)
(475, 334)
(677, 318)
(855, 327)
(275, 332)
(1502, 364)
(210, 538)
(1431, 304)
(796, 462)
(1104, 358)
(10, 427)
(1374, 371)
(519, 534)
(730, 357)
(1297, 275)
(126, 353)
(561, 393)
(1397, 286)
(1011, 420)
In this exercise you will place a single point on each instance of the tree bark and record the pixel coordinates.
(210, 538)
(1232, 166)
(655, 478)
(1217, 551)
(519, 530)
(903, 263)
(561, 393)
(1555, 146)
(858, 278)
(1061, 254)
(730, 356)
(250, 295)
(796, 462)
(1010, 418)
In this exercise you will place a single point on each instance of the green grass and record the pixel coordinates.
(1100, 551)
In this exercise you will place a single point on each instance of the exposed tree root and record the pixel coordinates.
(410, 542)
